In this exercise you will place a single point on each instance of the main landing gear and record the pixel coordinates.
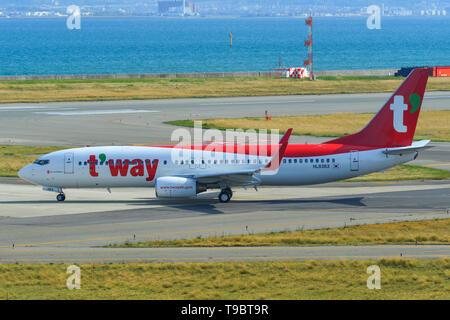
(61, 197)
(225, 195)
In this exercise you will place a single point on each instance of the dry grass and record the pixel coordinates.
(400, 279)
(126, 89)
(405, 172)
(13, 158)
(433, 125)
(424, 232)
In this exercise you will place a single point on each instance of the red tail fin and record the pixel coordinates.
(394, 125)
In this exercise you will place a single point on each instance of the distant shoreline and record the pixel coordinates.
(238, 74)
(218, 17)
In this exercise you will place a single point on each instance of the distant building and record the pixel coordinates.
(191, 8)
(165, 7)
(177, 8)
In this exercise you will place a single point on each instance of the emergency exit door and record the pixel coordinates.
(354, 161)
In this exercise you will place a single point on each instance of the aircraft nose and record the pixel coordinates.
(25, 173)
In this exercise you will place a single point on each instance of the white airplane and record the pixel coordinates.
(385, 142)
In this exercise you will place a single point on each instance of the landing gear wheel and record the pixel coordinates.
(224, 196)
(61, 197)
(228, 190)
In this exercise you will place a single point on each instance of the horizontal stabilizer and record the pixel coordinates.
(416, 146)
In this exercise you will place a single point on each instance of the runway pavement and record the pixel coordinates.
(31, 218)
(119, 255)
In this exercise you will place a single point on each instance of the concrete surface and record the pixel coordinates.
(92, 218)
(108, 255)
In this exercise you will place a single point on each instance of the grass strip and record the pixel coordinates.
(135, 89)
(400, 279)
(404, 172)
(424, 232)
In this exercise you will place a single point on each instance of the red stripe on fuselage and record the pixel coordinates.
(315, 150)
(292, 150)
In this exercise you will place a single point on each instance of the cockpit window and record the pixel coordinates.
(42, 162)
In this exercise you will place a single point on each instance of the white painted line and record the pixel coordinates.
(23, 109)
(19, 108)
(436, 97)
(258, 102)
(92, 112)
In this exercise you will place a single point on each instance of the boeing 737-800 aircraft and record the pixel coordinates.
(385, 142)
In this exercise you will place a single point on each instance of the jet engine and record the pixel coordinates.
(177, 187)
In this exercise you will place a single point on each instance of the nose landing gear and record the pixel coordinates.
(61, 197)
(225, 195)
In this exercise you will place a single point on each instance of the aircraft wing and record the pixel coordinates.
(238, 177)
(229, 178)
(416, 146)
(244, 177)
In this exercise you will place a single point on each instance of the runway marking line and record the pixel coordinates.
(255, 102)
(436, 164)
(206, 230)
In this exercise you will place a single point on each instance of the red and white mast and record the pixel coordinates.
(309, 43)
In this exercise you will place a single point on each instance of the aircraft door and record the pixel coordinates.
(68, 163)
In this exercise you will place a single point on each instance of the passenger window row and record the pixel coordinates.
(106, 163)
(311, 160)
(186, 162)
(232, 161)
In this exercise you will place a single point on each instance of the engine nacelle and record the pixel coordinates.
(177, 187)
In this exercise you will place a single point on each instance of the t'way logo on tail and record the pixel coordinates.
(398, 107)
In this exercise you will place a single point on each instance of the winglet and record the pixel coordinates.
(274, 164)
(285, 138)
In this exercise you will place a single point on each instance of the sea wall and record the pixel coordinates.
(379, 72)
